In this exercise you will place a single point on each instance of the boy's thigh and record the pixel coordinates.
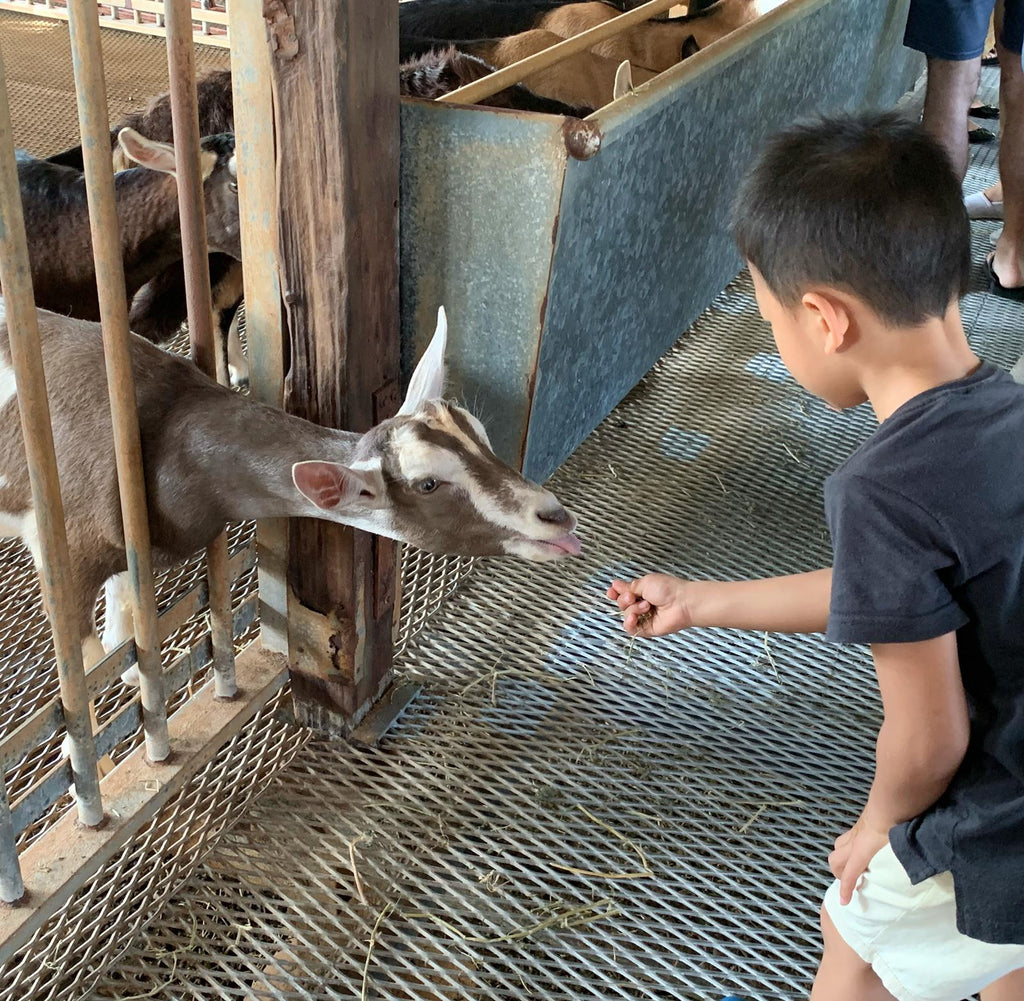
(1011, 34)
(909, 937)
(949, 29)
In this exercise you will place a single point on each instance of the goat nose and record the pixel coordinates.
(556, 515)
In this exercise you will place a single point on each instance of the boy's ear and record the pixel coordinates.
(830, 317)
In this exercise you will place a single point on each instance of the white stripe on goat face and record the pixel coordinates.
(419, 460)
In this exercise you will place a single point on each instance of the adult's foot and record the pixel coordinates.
(1005, 277)
(977, 135)
(979, 110)
(981, 206)
(990, 58)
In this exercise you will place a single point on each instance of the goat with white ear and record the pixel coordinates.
(59, 235)
(427, 476)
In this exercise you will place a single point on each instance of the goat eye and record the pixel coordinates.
(427, 486)
(233, 185)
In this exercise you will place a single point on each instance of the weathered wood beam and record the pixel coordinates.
(335, 75)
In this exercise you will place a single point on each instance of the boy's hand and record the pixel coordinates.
(852, 854)
(654, 605)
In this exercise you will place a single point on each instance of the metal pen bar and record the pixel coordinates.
(207, 350)
(12, 887)
(90, 88)
(52, 556)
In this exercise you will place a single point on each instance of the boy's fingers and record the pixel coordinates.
(852, 872)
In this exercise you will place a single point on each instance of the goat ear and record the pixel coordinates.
(146, 152)
(331, 486)
(156, 155)
(427, 381)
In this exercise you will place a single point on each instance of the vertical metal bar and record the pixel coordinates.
(208, 353)
(251, 80)
(12, 887)
(90, 87)
(55, 570)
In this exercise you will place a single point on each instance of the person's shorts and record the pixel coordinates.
(908, 934)
(956, 29)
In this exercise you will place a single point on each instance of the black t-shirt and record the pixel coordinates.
(927, 523)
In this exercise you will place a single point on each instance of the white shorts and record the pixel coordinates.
(908, 934)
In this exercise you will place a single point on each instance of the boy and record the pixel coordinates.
(858, 243)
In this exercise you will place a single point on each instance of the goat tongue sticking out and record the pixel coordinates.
(568, 544)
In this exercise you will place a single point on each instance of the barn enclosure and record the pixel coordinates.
(556, 812)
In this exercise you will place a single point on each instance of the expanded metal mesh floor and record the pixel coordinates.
(562, 814)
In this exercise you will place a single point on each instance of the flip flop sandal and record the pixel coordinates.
(979, 206)
(976, 136)
(991, 59)
(985, 111)
(1015, 292)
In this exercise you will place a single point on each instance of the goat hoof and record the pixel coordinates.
(131, 676)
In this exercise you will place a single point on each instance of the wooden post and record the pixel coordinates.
(335, 73)
(257, 204)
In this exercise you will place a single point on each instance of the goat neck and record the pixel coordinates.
(147, 208)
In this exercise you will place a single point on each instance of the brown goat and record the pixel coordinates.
(584, 78)
(57, 220)
(426, 476)
(654, 46)
(158, 310)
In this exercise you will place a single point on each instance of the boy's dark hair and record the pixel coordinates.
(865, 203)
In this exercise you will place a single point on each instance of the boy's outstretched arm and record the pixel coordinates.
(922, 741)
(794, 604)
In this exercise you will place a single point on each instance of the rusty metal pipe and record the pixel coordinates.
(90, 88)
(12, 886)
(490, 85)
(33, 403)
(207, 350)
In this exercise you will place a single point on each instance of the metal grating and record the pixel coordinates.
(41, 84)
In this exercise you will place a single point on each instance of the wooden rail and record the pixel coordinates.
(490, 85)
(143, 17)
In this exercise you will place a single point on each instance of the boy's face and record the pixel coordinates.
(803, 342)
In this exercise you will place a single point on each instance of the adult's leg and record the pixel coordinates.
(1008, 262)
(950, 89)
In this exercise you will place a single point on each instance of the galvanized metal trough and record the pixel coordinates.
(570, 255)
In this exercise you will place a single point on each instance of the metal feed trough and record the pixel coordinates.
(570, 255)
